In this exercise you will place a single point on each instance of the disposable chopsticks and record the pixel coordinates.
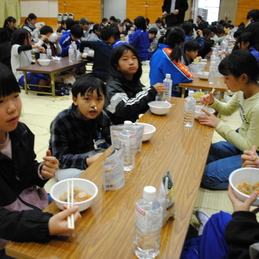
(70, 219)
(205, 106)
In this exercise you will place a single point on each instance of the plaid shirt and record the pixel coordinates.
(72, 139)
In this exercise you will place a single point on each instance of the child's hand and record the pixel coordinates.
(207, 99)
(58, 222)
(49, 166)
(90, 160)
(41, 49)
(250, 158)
(239, 205)
(200, 32)
(160, 88)
(210, 120)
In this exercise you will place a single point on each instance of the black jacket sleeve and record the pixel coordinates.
(122, 106)
(24, 226)
(241, 232)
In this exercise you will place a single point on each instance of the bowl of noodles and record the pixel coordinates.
(84, 193)
(245, 181)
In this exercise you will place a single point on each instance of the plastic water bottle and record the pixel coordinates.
(128, 141)
(74, 46)
(71, 55)
(49, 52)
(148, 223)
(168, 85)
(212, 72)
(189, 110)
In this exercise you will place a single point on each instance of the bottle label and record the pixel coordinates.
(148, 221)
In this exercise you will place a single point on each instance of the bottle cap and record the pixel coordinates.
(191, 93)
(127, 124)
(149, 193)
(168, 76)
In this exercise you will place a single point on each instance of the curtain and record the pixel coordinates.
(10, 8)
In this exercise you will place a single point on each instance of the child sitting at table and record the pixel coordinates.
(74, 131)
(102, 52)
(44, 41)
(240, 70)
(68, 37)
(247, 41)
(167, 60)
(21, 177)
(21, 57)
(126, 96)
(190, 52)
(224, 235)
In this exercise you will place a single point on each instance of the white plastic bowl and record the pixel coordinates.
(198, 111)
(44, 62)
(244, 175)
(203, 75)
(53, 37)
(148, 131)
(60, 187)
(159, 107)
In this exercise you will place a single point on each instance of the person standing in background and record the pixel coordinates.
(174, 10)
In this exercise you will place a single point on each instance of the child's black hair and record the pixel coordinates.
(88, 83)
(116, 32)
(19, 35)
(247, 37)
(116, 55)
(31, 16)
(77, 31)
(240, 62)
(8, 83)
(159, 20)
(45, 30)
(212, 28)
(69, 23)
(190, 45)
(174, 38)
(9, 19)
(153, 31)
(206, 32)
(140, 23)
(187, 27)
(106, 33)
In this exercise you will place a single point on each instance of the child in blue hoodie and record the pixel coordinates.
(166, 60)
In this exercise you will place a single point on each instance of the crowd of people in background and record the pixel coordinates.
(118, 50)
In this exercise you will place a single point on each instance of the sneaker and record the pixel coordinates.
(203, 218)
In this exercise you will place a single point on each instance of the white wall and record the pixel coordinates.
(116, 8)
(39, 8)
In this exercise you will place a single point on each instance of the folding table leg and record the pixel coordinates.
(52, 83)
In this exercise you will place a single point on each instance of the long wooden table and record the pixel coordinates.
(54, 68)
(198, 83)
(106, 230)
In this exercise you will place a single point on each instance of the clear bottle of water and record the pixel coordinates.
(128, 141)
(71, 55)
(189, 110)
(148, 223)
(74, 46)
(212, 72)
(49, 52)
(168, 84)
